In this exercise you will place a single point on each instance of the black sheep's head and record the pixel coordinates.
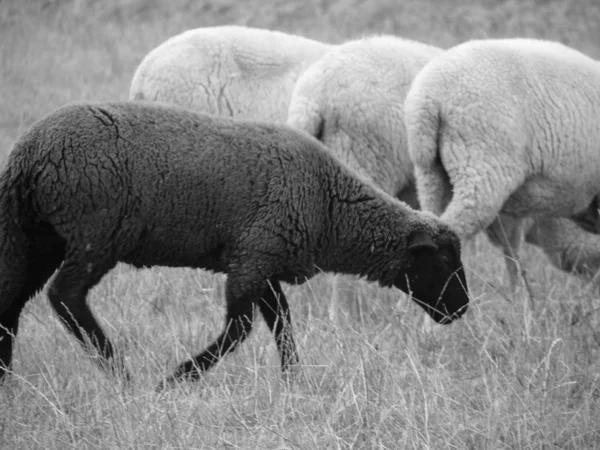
(434, 276)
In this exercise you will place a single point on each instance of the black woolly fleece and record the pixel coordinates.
(152, 184)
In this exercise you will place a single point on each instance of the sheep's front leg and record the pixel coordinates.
(240, 299)
(275, 309)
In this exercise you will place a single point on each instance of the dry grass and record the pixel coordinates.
(502, 378)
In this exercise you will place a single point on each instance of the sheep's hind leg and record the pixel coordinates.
(481, 185)
(68, 293)
(44, 261)
(276, 311)
(238, 325)
(9, 326)
(434, 190)
(12, 301)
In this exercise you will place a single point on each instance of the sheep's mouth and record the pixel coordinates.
(456, 284)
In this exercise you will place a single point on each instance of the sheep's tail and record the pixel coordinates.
(423, 128)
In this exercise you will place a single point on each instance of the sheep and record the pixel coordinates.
(351, 100)
(227, 70)
(148, 184)
(503, 129)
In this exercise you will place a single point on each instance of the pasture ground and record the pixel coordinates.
(504, 377)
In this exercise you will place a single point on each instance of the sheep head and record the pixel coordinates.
(434, 275)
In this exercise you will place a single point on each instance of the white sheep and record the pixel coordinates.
(507, 126)
(227, 70)
(351, 100)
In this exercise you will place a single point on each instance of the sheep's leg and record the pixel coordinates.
(40, 270)
(480, 189)
(67, 295)
(9, 326)
(13, 281)
(507, 232)
(433, 188)
(238, 325)
(275, 309)
(12, 302)
(26, 263)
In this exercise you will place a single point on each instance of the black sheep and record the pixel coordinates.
(91, 185)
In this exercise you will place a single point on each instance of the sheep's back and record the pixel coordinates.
(524, 100)
(166, 171)
(353, 98)
(232, 70)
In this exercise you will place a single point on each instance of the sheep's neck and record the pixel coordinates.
(362, 235)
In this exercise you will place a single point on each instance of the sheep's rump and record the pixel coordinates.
(227, 70)
(523, 110)
(351, 100)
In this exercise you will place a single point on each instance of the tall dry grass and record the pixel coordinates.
(504, 377)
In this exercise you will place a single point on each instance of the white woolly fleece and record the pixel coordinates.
(227, 70)
(505, 126)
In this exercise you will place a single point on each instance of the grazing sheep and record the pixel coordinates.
(505, 126)
(227, 70)
(151, 184)
(351, 100)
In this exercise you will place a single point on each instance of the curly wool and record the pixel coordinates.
(505, 126)
(227, 70)
(351, 100)
(150, 184)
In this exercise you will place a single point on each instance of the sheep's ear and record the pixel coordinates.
(420, 240)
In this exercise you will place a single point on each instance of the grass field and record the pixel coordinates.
(503, 377)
